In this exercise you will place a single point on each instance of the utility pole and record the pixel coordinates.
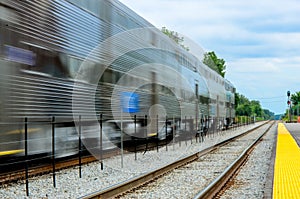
(289, 105)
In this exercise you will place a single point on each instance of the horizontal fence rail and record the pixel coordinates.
(47, 138)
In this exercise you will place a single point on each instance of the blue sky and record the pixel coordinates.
(259, 40)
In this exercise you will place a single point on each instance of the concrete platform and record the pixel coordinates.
(286, 182)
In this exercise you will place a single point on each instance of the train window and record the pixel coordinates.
(52, 64)
(227, 104)
(45, 60)
(203, 100)
(109, 77)
(74, 65)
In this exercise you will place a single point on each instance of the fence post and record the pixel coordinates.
(53, 150)
(79, 146)
(26, 156)
(185, 137)
(166, 127)
(180, 131)
(191, 130)
(173, 132)
(213, 125)
(101, 141)
(157, 134)
(135, 152)
(146, 132)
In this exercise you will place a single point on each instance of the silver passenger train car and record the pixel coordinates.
(73, 60)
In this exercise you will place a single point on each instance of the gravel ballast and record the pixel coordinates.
(187, 181)
(69, 185)
(251, 180)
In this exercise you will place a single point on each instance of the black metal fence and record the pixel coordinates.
(53, 132)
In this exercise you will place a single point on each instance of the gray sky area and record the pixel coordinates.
(258, 39)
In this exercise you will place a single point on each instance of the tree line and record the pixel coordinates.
(246, 107)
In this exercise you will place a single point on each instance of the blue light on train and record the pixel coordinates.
(20, 55)
(130, 102)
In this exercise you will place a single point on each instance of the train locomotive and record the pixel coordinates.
(71, 64)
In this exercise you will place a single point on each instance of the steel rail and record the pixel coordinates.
(216, 186)
(43, 169)
(138, 181)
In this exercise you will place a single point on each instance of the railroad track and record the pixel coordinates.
(220, 183)
(16, 175)
(45, 166)
(254, 178)
(150, 179)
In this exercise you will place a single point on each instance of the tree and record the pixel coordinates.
(268, 114)
(256, 108)
(295, 98)
(243, 99)
(296, 109)
(211, 60)
(242, 107)
(243, 110)
(236, 99)
(175, 37)
(245, 107)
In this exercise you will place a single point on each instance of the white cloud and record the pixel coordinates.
(259, 40)
(254, 65)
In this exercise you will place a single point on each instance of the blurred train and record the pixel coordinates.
(65, 62)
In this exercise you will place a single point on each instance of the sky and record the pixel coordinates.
(259, 40)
